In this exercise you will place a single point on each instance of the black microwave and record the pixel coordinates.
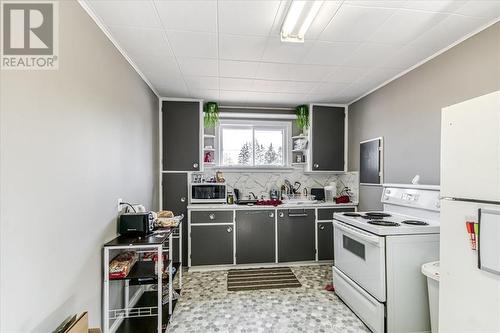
(208, 193)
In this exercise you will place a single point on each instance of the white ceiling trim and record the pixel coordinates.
(88, 9)
(484, 27)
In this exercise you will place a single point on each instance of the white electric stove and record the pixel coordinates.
(378, 256)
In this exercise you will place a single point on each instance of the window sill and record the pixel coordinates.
(229, 169)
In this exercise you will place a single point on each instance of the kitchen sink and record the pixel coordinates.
(249, 202)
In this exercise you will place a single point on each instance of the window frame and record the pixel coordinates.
(254, 125)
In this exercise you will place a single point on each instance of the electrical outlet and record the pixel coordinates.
(119, 205)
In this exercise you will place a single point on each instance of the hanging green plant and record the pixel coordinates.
(211, 114)
(302, 112)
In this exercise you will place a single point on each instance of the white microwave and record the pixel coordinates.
(208, 193)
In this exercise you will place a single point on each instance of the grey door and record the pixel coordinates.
(296, 235)
(328, 138)
(181, 136)
(211, 245)
(175, 198)
(255, 236)
(325, 241)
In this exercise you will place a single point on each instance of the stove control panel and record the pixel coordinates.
(411, 197)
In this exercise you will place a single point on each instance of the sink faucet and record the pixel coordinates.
(253, 195)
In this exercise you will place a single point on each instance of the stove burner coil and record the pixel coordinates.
(377, 214)
(415, 222)
(384, 223)
(352, 214)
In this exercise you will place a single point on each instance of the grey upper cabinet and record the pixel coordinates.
(328, 138)
(255, 236)
(181, 135)
(175, 198)
(296, 235)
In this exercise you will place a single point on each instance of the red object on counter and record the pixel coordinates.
(272, 202)
(342, 199)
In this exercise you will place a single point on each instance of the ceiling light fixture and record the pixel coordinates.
(298, 20)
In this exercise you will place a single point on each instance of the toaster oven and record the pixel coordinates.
(138, 224)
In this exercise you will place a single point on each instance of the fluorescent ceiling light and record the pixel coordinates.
(298, 20)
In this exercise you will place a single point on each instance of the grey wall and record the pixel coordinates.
(73, 141)
(407, 111)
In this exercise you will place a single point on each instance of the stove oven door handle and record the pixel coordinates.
(359, 234)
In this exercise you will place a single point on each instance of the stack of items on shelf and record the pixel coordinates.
(166, 219)
(122, 264)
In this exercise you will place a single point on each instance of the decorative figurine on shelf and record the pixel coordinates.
(208, 158)
(219, 177)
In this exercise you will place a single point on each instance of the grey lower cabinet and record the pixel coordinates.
(211, 244)
(328, 138)
(325, 240)
(181, 135)
(255, 236)
(296, 235)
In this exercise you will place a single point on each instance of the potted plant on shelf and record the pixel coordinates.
(302, 113)
(211, 114)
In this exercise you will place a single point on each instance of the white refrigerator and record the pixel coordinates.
(469, 289)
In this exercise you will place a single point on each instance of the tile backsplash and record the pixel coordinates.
(261, 182)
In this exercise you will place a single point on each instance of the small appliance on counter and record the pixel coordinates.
(319, 193)
(208, 193)
(136, 224)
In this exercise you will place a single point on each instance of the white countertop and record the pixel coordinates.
(283, 206)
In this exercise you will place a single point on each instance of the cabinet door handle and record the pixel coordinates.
(321, 227)
(316, 165)
(211, 216)
(271, 215)
(229, 229)
(282, 214)
(195, 165)
(183, 199)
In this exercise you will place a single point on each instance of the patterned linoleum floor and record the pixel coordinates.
(206, 306)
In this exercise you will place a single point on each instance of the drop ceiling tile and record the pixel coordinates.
(126, 13)
(375, 78)
(274, 71)
(345, 74)
(446, 33)
(371, 55)
(231, 96)
(202, 82)
(376, 3)
(236, 84)
(278, 51)
(205, 94)
(329, 88)
(270, 86)
(237, 47)
(480, 8)
(164, 66)
(141, 40)
(313, 73)
(193, 15)
(168, 84)
(355, 24)
(198, 66)
(405, 25)
(247, 17)
(444, 6)
(330, 53)
(238, 69)
(193, 44)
